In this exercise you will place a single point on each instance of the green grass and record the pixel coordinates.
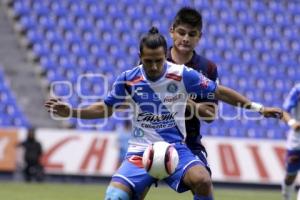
(46, 191)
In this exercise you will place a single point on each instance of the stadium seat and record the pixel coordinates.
(21, 8)
(10, 114)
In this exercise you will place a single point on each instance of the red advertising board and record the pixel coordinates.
(8, 142)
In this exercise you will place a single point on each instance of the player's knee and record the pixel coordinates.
(201, 185)
(113, 193)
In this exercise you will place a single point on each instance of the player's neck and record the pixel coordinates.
(153, 79)
(180, 58)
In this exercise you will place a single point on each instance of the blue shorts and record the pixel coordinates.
(292, 161)
(132, 174)
(202, 155)
(195, 145)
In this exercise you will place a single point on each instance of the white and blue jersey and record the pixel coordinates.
(159, 105)
(159, 115)
(292, 105)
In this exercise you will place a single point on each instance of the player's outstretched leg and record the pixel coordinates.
(198, 179)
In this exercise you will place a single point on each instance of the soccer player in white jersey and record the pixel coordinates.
(158, 90)
(292, 116)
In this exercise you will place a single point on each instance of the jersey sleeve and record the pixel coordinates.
(197, 83)
(118, 93)
(292, 99)
(212, 71)
(214, 76)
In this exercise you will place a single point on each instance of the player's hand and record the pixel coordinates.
(272, 112)
(296, 126)
(58, 107)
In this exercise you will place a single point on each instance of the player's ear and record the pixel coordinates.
(199, 35)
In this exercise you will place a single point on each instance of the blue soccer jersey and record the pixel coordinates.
(292, 105)
(159, 106)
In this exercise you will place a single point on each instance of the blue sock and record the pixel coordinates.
(113, 193)
(196, 197)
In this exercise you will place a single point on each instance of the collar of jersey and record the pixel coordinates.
(189, 63)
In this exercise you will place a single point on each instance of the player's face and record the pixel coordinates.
(153, 61)
(185, 37)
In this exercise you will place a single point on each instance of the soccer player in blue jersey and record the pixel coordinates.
(158, 90)
(292, 116)
(186, 32)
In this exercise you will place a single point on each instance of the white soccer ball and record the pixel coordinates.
(160, 159)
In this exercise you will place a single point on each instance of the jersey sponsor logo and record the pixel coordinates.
(159, 126)
(150, 120)
(173, 76)
(170, 99)
(172, 88)
(150, 117)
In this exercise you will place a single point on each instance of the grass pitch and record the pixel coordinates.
(66, 191)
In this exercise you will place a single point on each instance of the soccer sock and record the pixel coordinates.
(196, 197)
(286, 191)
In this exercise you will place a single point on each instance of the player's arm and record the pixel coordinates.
(196, 87)
(96, 110)
(293, 123)
(93, 111)
(234, 98)
(205, 111)
(205, 88)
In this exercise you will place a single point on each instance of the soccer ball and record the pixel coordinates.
(160, 159)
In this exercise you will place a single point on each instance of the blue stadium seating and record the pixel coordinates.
(10, 113)
(255, 46)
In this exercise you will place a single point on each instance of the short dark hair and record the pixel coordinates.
(153, 39)
(190, 16)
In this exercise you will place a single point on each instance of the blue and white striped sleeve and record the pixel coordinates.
(197, 83)
(292, 99)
